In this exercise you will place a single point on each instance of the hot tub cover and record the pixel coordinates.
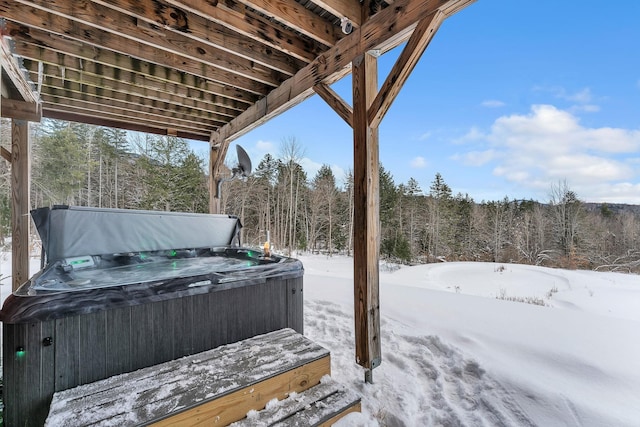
(74, 231)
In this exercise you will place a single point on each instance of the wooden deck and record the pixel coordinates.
(215, 387)
(321, 405)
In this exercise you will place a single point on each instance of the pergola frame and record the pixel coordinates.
(213, 71)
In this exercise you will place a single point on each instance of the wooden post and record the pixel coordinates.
(20, 203)
(214, 197)
(366, 251)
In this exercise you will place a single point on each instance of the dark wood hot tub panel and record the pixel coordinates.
(89, 347)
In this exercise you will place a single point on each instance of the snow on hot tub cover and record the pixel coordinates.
(72, 231)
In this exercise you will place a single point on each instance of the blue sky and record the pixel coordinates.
(510, 98)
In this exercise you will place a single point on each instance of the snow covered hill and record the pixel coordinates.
(455, 354)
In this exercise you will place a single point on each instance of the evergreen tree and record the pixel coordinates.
(59, 172)
(440, 198)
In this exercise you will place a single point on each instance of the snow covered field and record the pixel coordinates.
(454, 354)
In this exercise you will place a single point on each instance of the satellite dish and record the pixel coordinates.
(244, 163)
(243, 170)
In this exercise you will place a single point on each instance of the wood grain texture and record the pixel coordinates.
(204, 34)
(20, 203)
(141, 74)
(366, 219)
(297, 17)
(187, 101)
(88, 43)
(224, 382)
(239, 18)
(97, 25)
(10, 68)
(84, 116)
(234, 406)
(321, 405)
(20, 110)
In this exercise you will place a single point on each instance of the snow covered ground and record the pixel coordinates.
(454, 354)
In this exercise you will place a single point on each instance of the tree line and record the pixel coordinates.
(420, 226)
(85, 165)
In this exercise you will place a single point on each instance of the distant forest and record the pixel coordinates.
(80, 164)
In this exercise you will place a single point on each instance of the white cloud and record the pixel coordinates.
(424, 136)
(474, 134)
(311, 168)
(587, 108)
(418, 162)
(477, 158)
(549, 144)
(264, 146)
(583, 97)
(492, 103)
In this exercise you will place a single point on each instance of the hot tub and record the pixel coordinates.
(121, 290)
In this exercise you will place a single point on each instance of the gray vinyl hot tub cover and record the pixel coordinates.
(73, 231)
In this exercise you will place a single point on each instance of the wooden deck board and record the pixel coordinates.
(321, 405)
(152, 394)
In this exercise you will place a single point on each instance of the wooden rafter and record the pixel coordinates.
(146, 76)
(237, 17)
(296, 16)
(82, 91)
(10, 67)
(350, 9)
(102, 119)
(247, 76)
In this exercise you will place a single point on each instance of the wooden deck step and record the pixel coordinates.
(216, 387)
(321, 405)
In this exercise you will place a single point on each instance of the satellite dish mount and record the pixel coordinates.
(241, 171)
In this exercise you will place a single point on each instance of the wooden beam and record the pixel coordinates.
(128, 113)
(350, 9)
(20, 203)
(296, 16)
(86, 93)
(6, 154)
(406, 62)
(130, 53)
(214, 197)
(21, 110)
(385, 24)
(71, 115)
(366, 218)
(218, 152)
(203, 32)
(238, 17)
(334, 100)
(144, 75)
(125, 23)
(10, 67)
(92, 84)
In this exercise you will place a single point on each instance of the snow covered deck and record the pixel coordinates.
(220, 386)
